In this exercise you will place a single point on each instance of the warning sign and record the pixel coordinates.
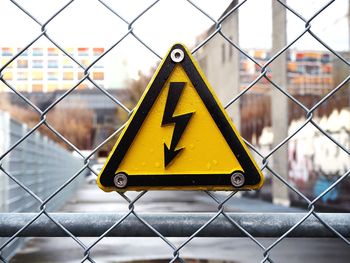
(179, 137)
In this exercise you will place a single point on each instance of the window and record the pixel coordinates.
(260, 54)
(83, 51)
(327, 69)
(223, 53)
(37, 75)
(7, 51)
(22, 75)
(98, 51)
(301, 69)
(246, 67)
(8, 76)
(37, 87)
(52, 87)
(98, 65)
(327, 80)
(325, 58)
(22, 63)
(25, 52)
(82, 86)
(230, 49)
(312, 69)
(85, 62)
(52, 75)
(299, 56)
(22, 87)
(70, 51)
(52, 51)
(67, 63)
(37, 63)
(38, 51)
(4, 61)
(52, 64)
(292, 67)
(80, 75)
(98, 75)
(67, 75)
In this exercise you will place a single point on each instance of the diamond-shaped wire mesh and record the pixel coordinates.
(41, 202)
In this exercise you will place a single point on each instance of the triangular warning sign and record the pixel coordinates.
(179, 137)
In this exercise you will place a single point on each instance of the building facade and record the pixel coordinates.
(308, 72)
(40, 69)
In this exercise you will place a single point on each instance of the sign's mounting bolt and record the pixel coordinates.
(177, 55)
(120, 180)
(237, 179)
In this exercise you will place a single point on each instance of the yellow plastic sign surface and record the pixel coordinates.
(179, 137)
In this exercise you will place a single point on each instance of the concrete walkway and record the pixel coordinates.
(218, 250)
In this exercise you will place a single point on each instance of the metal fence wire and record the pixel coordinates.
(28, 223)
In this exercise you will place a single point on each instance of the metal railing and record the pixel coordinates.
(148, 225)
(37, 164)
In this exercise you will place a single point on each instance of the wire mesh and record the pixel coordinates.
(132, 202)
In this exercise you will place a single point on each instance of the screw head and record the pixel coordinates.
(177, 55)
(120, 180)
(237, 179)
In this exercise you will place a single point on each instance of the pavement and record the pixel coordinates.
(203, 250)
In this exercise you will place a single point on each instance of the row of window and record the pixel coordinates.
(309, 69)
(293, 67)
(38, 75)
(298, 80)
(42, 87)
(39, 63)
(312, 57)
(52, 51)
(302, 56)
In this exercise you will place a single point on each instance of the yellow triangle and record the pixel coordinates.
(204, 148)
(180, 112)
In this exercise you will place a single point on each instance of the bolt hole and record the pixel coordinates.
(120, 180)
(177, 55)
(237, 179)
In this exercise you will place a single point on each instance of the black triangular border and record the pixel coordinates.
(252, 175)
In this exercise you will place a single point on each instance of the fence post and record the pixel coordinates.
(279, 103)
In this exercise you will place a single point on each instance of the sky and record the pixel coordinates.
(89, 23)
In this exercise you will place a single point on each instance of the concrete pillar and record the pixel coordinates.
(349, 26)
(279, 102)
(348, 53)
(234, 64)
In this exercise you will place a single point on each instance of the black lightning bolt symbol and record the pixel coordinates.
(180, 122)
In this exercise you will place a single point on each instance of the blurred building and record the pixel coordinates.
(309, 72)
(47, 69)
(218, 60)
(311, 75)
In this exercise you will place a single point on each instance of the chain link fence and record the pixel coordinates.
(310, 223)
